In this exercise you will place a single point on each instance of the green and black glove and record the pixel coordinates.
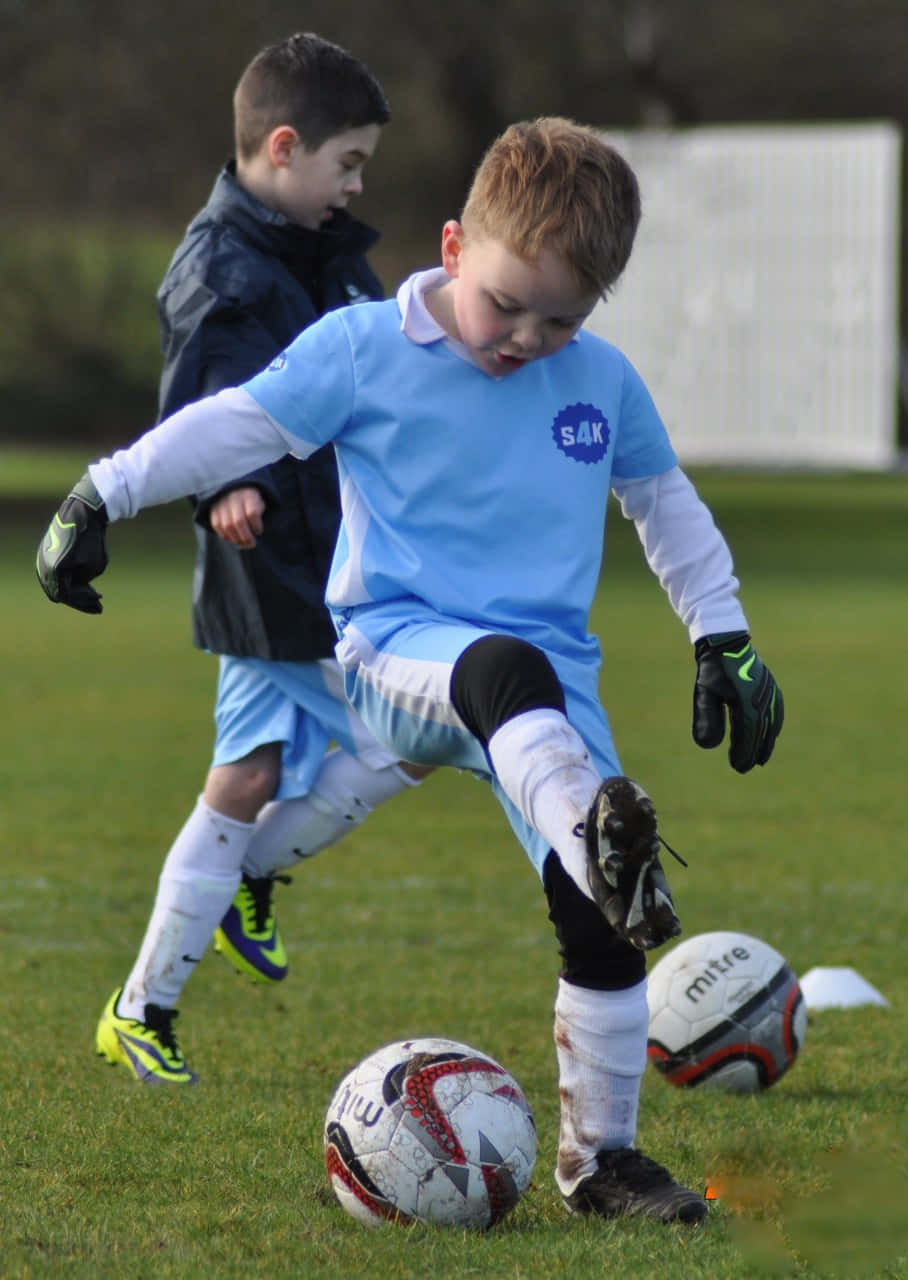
(73, 550)
(731, 676)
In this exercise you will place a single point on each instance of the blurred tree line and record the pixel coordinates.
(118, 117)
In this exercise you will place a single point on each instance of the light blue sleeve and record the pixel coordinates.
(643, 447)
(309, 388)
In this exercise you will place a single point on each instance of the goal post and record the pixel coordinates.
(760, 303)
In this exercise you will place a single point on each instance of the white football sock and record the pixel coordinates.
(600, 1039)
(545, 769)
(344, 793)
(199, 878)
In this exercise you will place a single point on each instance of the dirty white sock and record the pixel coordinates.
(199, 878)
(600, 1040)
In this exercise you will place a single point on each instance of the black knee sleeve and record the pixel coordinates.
(494, 680)
(498, 678)
(592, 954)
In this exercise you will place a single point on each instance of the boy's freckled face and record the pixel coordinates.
(505, 310)
(313, 184)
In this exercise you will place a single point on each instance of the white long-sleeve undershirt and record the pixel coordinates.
(685, 551)
(196, 450)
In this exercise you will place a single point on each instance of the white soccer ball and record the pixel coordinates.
(429, 1130)
(726, 1011)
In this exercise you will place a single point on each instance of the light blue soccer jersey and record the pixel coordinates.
(483, 498)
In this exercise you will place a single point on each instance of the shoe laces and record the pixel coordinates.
(630, 1166)
(160, 1021)
(260, 889)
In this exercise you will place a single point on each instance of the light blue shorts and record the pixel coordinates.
(398, 677)
(299, 704)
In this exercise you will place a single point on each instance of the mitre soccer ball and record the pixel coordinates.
(429, 1130)
(726, 1011)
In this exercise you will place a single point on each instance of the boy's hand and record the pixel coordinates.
(237, 517)
(730, 675)
(73, 551)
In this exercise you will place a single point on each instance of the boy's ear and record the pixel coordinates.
(280, 143)
(451, 247)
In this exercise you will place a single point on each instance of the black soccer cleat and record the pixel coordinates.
(630, 1184)
(624, 871)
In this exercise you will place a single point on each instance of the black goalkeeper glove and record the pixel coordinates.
(731, 675)
(72, 552)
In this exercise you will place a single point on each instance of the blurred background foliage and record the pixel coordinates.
(118, 117)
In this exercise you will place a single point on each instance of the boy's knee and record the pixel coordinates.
(499, 677)
(240, 789)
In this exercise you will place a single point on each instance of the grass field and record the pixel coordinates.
(429, 921)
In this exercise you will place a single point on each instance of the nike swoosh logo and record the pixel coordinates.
(192, 959)
(744, 669)
(137, 1050)
(274, 951)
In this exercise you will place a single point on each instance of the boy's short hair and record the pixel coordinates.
(311, 84)
(554, 184)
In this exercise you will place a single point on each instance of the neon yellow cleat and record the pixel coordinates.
(149, 1049)
(248, 935)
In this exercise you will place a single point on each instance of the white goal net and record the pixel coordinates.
(760, 304)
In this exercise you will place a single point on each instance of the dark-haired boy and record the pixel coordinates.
(272, 250)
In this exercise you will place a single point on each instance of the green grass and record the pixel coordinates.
(429, 921)
(34, 473)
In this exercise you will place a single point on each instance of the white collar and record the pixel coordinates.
(415, 320)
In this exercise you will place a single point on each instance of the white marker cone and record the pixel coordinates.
(824, 988)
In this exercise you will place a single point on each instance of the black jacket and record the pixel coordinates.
(242, 283)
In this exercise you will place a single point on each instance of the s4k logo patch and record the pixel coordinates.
(582, 432)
